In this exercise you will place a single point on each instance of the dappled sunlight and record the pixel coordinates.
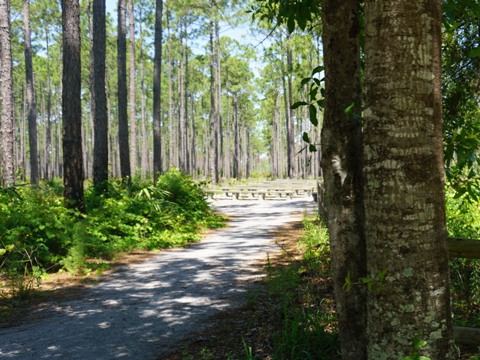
(146, 308)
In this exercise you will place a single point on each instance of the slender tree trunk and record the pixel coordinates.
(144, 152)
(30, 93)
(157, 95)
(218, 95)
(72, 106)
(122, 92)
(133, 89)
(213, 98)
(181, 111)
(290, 124)
(342, 167)
(99, 101)
(48, 166)
(7, 119)
(404, 181)
(236, 141)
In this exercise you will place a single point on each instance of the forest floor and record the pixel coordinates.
(151, 305)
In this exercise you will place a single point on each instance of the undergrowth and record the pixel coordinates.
(39, 235)
(301, 292)
(463, 221)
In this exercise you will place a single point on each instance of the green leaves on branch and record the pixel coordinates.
(314, 102)
(373, 283)
(292, 13)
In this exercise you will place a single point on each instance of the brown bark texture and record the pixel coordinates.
(30, 96)
(7, 120)
(404, 181)
(71, 106)
(342, 169)
(99, 101)
(132, 89)
(124, 148)
(157, 95)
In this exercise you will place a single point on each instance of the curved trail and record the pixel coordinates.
(143, 310)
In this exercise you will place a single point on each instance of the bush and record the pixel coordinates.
(38, 234)
(463, 221)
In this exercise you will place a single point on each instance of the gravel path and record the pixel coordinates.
(143, 310)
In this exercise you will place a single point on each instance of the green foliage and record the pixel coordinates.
(460, 90)
(417, 345)
(299, 303)
(292, 13)
(463, 221)
(38, 234)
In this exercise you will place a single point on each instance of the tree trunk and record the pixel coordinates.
(124, 149)
(157, 94)
(144, 137)
(236, 141)
(72, 106)
(404, 181)
(7, 120)
(213, 98)
(342, 168)
(133, 89)
(30, 93)
(99, 101)
(48, 167)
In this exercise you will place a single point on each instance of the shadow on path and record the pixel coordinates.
(142, 310)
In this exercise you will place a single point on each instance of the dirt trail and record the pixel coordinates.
(143, 310)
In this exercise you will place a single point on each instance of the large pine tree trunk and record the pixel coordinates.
(342, 169)
(99, 101)
(72, 106)
(404, 181)
(122, 91)
(7, 121)
(30, 93)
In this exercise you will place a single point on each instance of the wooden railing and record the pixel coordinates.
(458, 248)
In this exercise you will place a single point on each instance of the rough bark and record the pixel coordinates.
(342, 169)
(124, 148)
(157, 95)
(71, 106)
(132, 89)
(30, 95)
(404, 181)
(7, 120)
(99, 103)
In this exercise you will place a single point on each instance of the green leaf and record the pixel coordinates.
(313, 114)
(312, 148)
(305, 81)
(298, 104)
(318, 69)
(302, 22)
(306, 138)
(291, 25)
(349, 109)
